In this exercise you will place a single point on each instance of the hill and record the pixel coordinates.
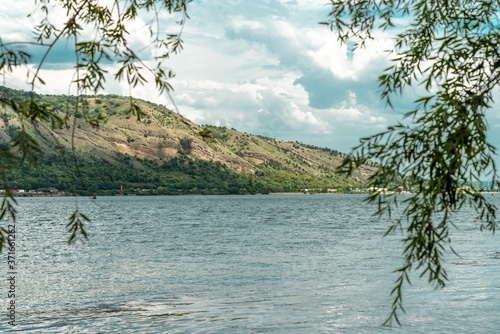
(166, 153)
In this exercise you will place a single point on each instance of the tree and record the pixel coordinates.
(98, 36)
(448, 50)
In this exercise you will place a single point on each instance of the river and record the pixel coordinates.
(237, 264)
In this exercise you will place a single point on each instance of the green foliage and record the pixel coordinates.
(7, 210)
(448, 49)
(178, 176)
(76, 226)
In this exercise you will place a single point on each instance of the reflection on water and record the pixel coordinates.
(249, 264)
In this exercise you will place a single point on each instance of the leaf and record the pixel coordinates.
(76, 227)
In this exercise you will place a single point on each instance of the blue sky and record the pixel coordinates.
(263, 67)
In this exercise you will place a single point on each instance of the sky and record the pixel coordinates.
(264, 67)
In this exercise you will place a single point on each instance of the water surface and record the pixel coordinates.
(245, 264)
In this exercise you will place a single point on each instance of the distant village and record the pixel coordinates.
(50, 191)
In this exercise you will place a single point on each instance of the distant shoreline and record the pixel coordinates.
(139, 194)
(97, 195)
(313, 193)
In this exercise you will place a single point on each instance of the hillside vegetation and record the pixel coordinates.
(165, 153)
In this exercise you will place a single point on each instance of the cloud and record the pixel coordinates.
(265, 106)
(264, 67)
(326, 72)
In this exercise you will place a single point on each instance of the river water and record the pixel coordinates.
(237, 264)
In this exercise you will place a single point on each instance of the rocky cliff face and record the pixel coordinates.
(163, 134)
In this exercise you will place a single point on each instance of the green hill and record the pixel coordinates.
(165, 153)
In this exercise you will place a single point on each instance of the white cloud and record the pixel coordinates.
(264, 67)
(351, 112)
